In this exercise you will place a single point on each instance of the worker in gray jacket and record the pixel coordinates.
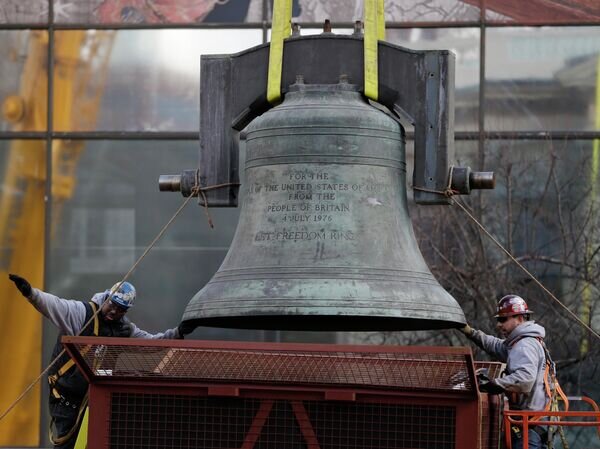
(525, 354)
(68, 387)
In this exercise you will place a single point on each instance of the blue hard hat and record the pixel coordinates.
(123, 294)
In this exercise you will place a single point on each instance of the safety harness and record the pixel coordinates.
(53, 379)
(552, 389)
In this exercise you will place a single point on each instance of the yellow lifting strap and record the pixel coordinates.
(374, 19)
(281, 28)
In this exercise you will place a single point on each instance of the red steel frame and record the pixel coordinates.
(467, 403)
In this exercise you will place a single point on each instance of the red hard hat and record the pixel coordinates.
(512, 305)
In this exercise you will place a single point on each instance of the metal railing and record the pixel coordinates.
(525, 419)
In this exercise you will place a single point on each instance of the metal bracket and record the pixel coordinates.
(415, 85)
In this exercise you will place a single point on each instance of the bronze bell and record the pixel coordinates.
(324, 240)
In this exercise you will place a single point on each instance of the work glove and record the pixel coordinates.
(185, 328)
(491, 388)
(126, 329)
(22, 284)
(485, 384)
(467, 330)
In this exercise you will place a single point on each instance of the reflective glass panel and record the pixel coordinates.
(23, 85)
(24, 11)
(395, 10)
(136, 80)
(22, 189)
(466, 154)
(542, 78)
(543, 12)
(548, 188)
(464, 43)
(157, 11)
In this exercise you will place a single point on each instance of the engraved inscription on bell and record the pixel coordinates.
(341, 212)
(324, 240)
(307, 203)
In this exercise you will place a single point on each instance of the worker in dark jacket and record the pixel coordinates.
(68, 387)
(524, 352)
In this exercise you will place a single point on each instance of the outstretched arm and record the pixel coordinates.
(67, 315)
(136, 332)
(492, 345)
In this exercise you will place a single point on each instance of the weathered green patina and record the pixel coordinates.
(324, 240)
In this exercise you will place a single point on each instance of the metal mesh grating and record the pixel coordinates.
(148, 421)
(444, 369)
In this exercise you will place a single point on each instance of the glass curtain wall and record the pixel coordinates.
(100, 97)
